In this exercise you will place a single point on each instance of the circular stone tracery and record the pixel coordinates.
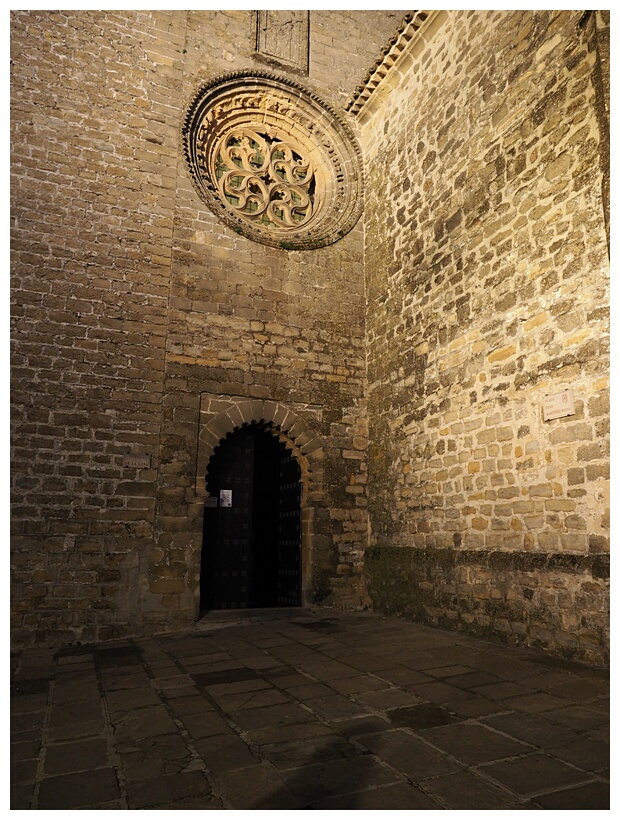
(273, 161)
(265, 179)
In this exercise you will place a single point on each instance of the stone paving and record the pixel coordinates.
(299, 709)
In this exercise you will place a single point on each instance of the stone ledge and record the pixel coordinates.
(555, 602)
(518, 561)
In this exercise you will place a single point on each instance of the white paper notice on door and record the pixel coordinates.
(225, 498)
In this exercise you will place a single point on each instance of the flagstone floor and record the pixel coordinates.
(293, 709)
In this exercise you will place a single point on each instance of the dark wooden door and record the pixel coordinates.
(251, 549)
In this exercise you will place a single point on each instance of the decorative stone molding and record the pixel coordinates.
(221, 415)
(273, 161)
(417, 28)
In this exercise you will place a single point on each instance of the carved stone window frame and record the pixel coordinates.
(225, 122)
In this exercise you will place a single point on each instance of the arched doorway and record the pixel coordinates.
(252, 532)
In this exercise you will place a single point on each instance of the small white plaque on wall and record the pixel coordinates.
(139, 462)
(558, 405)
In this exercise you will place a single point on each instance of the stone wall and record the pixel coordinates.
(404, 365)
(93, 180)
(133, 305)
(487, 287)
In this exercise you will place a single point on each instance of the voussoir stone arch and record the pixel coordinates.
(221, 415)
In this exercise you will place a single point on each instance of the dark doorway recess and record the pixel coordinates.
(251, 549)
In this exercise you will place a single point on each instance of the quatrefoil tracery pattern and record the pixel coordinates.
(273, 161)
(265, 179)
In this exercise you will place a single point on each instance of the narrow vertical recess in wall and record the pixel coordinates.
(282, 39)
(596, 24)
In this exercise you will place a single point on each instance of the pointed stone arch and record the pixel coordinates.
(221, 415)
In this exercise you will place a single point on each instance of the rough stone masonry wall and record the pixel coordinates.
(250, 322)
(92, 211)
(133, 307)
(487, 286)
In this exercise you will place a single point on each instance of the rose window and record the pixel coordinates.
(273, 162)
